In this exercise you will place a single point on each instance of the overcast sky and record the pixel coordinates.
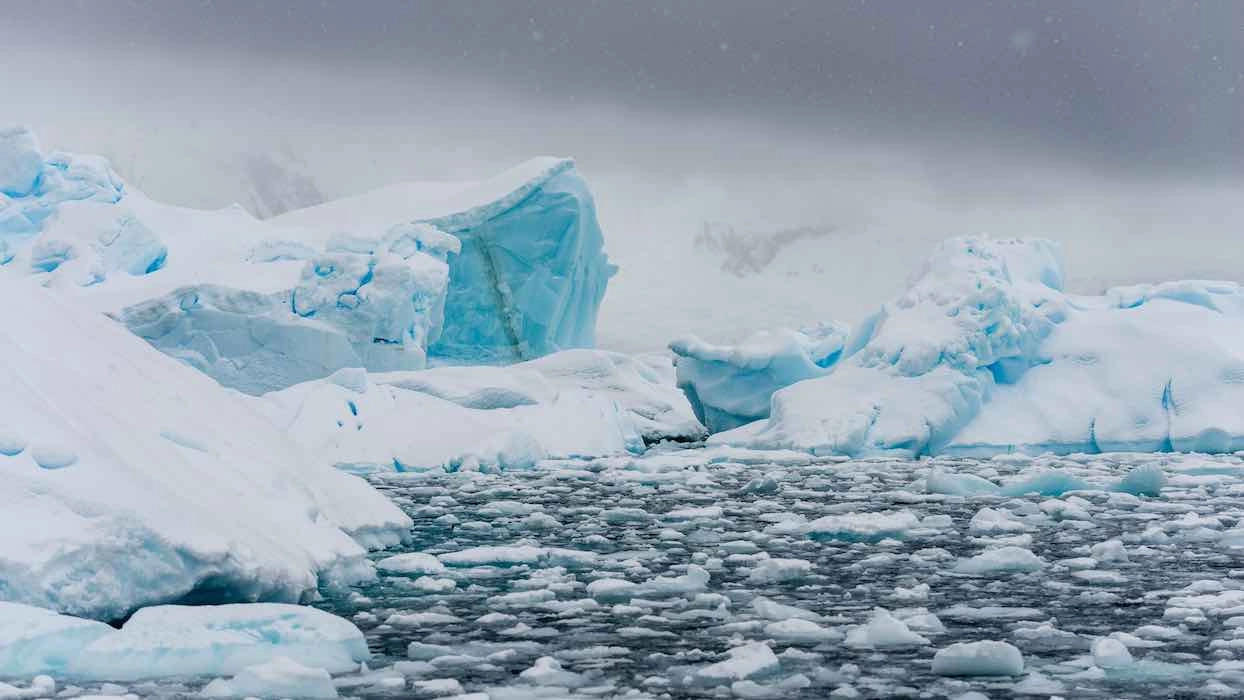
(1146, 82)
(1113, 126)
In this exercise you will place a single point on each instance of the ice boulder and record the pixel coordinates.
(729, 386)
(532, 270)
(151, 483)
(985, 354)
(576, 403)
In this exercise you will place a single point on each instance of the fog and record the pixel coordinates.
(886, 126)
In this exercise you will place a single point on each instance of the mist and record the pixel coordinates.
(1113, 131)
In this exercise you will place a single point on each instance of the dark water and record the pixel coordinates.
(622, 517)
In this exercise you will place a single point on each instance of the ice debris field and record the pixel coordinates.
(369, 449)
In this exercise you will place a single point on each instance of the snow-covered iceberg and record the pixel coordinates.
(569, 404)
(532, 270)
(504, 269)
(985, 353)
(131, 479)
(729, 386)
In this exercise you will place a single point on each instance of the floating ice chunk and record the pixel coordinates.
(772, 610)
(174, 640)
(987, 658)
(1111, 653)
(438, 687)
(281, 677)
(883, 631)
(514, 555)
(35, 640)
(548, 671)
(729, 386)
(1003, 560)
(1110, 550)
(857, 527)
(412, 563)
(992, 520)
(1145, 480)
(796, 631)
(779, 570)
(751, 660)
(939, 481)
(1045, 482)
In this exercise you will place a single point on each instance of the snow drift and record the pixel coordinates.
(131, 479)
(984, 354)
(505, 269)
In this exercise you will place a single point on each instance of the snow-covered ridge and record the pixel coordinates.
(985, 354)
(131, 479)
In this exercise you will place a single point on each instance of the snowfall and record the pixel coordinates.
(369, 449)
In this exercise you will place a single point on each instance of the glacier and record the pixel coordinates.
(502, 270)
(984, 353)
(132, 479)
(730, 386)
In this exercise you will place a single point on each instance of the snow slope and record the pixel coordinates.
(568, 404)
(984, 354)
(131, 479)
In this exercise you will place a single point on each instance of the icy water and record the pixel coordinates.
(715, 544)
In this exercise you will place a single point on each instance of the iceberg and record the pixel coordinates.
(575, 403)
(506, 269)
(985, 354)
(532, 270)
(150, 483)
(730, 386)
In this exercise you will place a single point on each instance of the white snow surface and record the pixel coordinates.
(131, 479)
